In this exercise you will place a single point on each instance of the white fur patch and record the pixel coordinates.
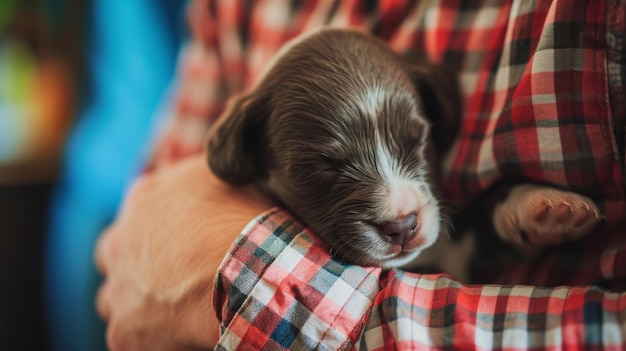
(372, 100)
(404, 197)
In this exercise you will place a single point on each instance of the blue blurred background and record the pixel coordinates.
(82, 87)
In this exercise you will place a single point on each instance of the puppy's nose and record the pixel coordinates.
(401, 231)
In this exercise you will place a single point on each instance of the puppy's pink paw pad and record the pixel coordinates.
(562, 212)
(583, 215)
(544, 215)
(541, 211)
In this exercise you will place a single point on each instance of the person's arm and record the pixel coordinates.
(160, 256)
(280, 289)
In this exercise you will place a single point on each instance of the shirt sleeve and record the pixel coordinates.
(209, 71)
(279, 289)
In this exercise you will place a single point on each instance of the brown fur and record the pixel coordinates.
(300, 135)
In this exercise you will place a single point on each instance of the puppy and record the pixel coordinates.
(348, 135)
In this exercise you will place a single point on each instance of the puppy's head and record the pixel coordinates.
(345, 133)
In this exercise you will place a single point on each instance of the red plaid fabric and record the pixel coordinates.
(279, 289)
(542, 84)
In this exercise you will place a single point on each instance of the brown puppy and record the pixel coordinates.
(347, 134)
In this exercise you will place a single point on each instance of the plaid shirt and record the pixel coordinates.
(542, 83)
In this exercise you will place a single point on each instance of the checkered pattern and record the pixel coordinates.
(279, 289)
(289, 293)
(542, 84)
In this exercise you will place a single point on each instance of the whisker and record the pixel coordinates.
(447, 228)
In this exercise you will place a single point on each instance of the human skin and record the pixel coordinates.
(160, 256)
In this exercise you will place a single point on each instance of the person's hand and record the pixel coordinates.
(160, 256)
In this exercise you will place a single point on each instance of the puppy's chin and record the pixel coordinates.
(402, 259)
(365, 244)
(387, 255)
(407, 254)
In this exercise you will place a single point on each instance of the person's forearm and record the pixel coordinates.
(160, 256)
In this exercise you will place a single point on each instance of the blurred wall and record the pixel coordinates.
(81, 84)
(39, 71)
(130, 51)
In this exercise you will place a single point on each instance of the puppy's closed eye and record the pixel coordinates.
(329, 169)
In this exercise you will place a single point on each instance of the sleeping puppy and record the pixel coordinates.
(348, 135)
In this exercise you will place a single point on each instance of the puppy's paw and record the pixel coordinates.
(540, 215)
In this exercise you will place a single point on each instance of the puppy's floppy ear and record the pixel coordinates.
(440, 93)
(235, 149)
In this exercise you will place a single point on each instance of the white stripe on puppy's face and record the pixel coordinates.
(405, 188)
(405, 195)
